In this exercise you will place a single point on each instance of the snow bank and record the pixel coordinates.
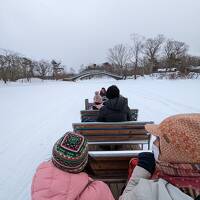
(34, 115)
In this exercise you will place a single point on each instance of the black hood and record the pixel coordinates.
(118, 104)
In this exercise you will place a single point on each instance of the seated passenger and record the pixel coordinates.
(116, 107)
(97, 101)
(177, 152)
(103, 92)
(103, 95)
(63, 177)
(140, 187)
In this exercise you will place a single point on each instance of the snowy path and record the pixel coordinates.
(33, 116)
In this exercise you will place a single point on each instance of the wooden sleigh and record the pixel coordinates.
(89, 115)
(125, 141)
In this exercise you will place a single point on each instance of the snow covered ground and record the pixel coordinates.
(34, 115)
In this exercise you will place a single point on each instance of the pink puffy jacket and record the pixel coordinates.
(51, 183)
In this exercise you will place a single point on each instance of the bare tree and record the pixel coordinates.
(27, 68)
(174, 51)
(14, 66)
(168, 53)
(136, 49)
(57, 69)
(120, 56)
(10, 66)
(3, 68)
(43, 68)
(151, 50)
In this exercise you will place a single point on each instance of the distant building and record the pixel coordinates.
(193, 69)
(167, 70)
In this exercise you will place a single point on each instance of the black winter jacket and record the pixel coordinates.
(115, 110)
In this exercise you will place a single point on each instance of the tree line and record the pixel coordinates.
(14, 66)
(141, 56)
(152, 54)
(148, 56)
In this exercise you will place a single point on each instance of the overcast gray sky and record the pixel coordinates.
(81, 31)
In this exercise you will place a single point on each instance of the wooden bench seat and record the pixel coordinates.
(108, 133)
(111, 167)
(108, 165)
(91, 115)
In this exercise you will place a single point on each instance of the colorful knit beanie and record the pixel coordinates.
(70, 153)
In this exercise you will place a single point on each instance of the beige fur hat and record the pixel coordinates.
(179, 138)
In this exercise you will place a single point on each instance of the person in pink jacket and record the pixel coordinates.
(62, 178)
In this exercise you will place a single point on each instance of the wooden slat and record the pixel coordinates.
(96, 111)
(140, 140)
(125, 123)
(111, 132)
(116, 154)
(91, 115)
(111, 127)
(119, 142)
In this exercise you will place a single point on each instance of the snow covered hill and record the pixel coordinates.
(34, 115)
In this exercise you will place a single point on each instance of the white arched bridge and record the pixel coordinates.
(92, 73)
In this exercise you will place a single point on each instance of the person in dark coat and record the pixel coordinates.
(116, 107)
